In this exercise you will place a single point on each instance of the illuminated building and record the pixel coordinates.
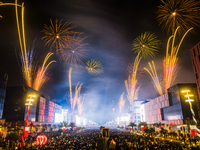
(153, 109)
(171, 107)
(135, 110)
(42, 109)
(3, 84)
(53, 110)
(15, 108)
(195, 55)
(40, 113)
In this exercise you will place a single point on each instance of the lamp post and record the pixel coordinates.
(191, 109)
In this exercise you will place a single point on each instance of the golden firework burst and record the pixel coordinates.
(74, 50)
(55, 35)
(174, 13)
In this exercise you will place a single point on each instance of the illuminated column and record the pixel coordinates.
(29, 103)
(191, 109)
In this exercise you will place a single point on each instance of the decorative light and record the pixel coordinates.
(41, 139)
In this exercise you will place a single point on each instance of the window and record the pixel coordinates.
(194, 53)
(196, 75)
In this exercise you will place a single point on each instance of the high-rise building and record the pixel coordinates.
(195, 55)
(15, 108)
(135, 111)
(40, 111)
(3, 84)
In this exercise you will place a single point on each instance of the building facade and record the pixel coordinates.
(195, 55)
(3, 84)
(153, 109)
(172, 108)
(15, 108)
(136, 111)
(41, 111)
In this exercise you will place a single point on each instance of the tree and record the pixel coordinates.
(72, 125)
(65, 124)
(132, 124)
(13, 136)
(60, 131)
(142, 124)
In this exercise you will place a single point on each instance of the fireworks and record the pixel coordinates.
(74, 51)
(170, 66)
(76, 96)
(29, 67)
(27, 58)
(132, 91)
(174, 13)
(80, 103)
(56, 35)
(70, 85)
(41, 76)
(94, 67)
(121, 102)
(154, 76)
(146, 44)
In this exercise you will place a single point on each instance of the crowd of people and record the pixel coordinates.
(91, 139)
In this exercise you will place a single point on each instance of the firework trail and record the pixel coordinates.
(41, 77)
(121, 102)
(77, 96)
(70, 85)
(80, 103)
(170, 65)
(154, 76)
(27, 58)
(132, 91)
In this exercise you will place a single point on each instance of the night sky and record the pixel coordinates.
(110, 27)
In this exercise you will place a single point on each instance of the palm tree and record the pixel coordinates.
(65, 124)
(72, 125)
(132, 124)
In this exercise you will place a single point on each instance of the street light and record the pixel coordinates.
(191, 109)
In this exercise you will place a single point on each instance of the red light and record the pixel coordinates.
(41, 139)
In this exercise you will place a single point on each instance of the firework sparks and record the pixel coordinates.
(28, 73)
(146, 44)
(175, 13)
(132, 91)
(77, 96)
(41, 76)
(154, 76)
(94, 67)
(170, 65)
(74, 51)
(80, 103)
(113, 110)
(27, 58)
(121, 102)
(70, 85)
(56, 35)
